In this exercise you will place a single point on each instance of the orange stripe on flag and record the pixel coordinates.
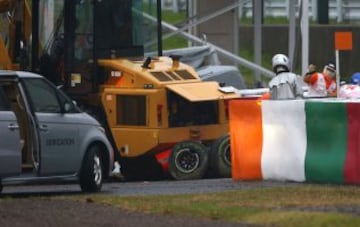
(246, 139)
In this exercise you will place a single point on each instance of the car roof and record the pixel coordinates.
(19, 74)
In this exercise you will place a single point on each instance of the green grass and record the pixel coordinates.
(279, 206)
(173, 18)
(267, 20)
(247, 73)
(175, 41)
(170, 17)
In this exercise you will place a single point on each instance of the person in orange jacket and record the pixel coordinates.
(321, 84)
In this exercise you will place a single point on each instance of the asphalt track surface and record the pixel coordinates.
(145, 188)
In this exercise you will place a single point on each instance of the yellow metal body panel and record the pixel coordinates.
(27, 21)
(133, 142)
(5, 61)
(206, 133)
(20, 8)
(202, 91)
(5, 5)
(154, 97)
(129, 78)
(133, 75)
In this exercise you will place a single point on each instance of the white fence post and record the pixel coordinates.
(339, 11)
(314, 7)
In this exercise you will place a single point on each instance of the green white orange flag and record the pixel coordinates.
(296, 140)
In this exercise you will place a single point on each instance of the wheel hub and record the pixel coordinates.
(187, 161)
(97, 170)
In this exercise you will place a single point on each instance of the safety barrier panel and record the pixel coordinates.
(296, 140)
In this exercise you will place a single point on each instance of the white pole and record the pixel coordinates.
(305, 36)
(339, 11)
(175, 6)
(314, 7)
(337, 72)
(258, 15)
(288, 14)
(292, 32)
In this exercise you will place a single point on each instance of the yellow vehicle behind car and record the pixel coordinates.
(158, 114)
(162, 105)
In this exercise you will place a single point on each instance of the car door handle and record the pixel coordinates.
(12, 127)
(44, 128)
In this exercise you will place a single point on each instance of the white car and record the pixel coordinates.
(44, 136)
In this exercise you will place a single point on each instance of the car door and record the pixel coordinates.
(58, 129)
(10, 145)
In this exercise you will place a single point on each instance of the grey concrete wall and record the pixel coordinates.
(321, 44)
(219, 30)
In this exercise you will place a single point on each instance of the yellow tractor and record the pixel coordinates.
(162, 119)
(161, 105)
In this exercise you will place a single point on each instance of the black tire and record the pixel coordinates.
(188, 161)
(91, 174)
(220, 157)
(1, 186)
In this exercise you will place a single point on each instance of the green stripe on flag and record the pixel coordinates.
(326, 128)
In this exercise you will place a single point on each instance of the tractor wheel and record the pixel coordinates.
(188, 160)
(220, 157)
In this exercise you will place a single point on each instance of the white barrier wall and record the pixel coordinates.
(296, 140)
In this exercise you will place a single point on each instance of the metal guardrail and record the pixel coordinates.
(340, 10)
(221, 51)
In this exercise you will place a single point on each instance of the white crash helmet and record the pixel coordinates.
(280, 62)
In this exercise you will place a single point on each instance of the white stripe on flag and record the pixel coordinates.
(284, 140)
